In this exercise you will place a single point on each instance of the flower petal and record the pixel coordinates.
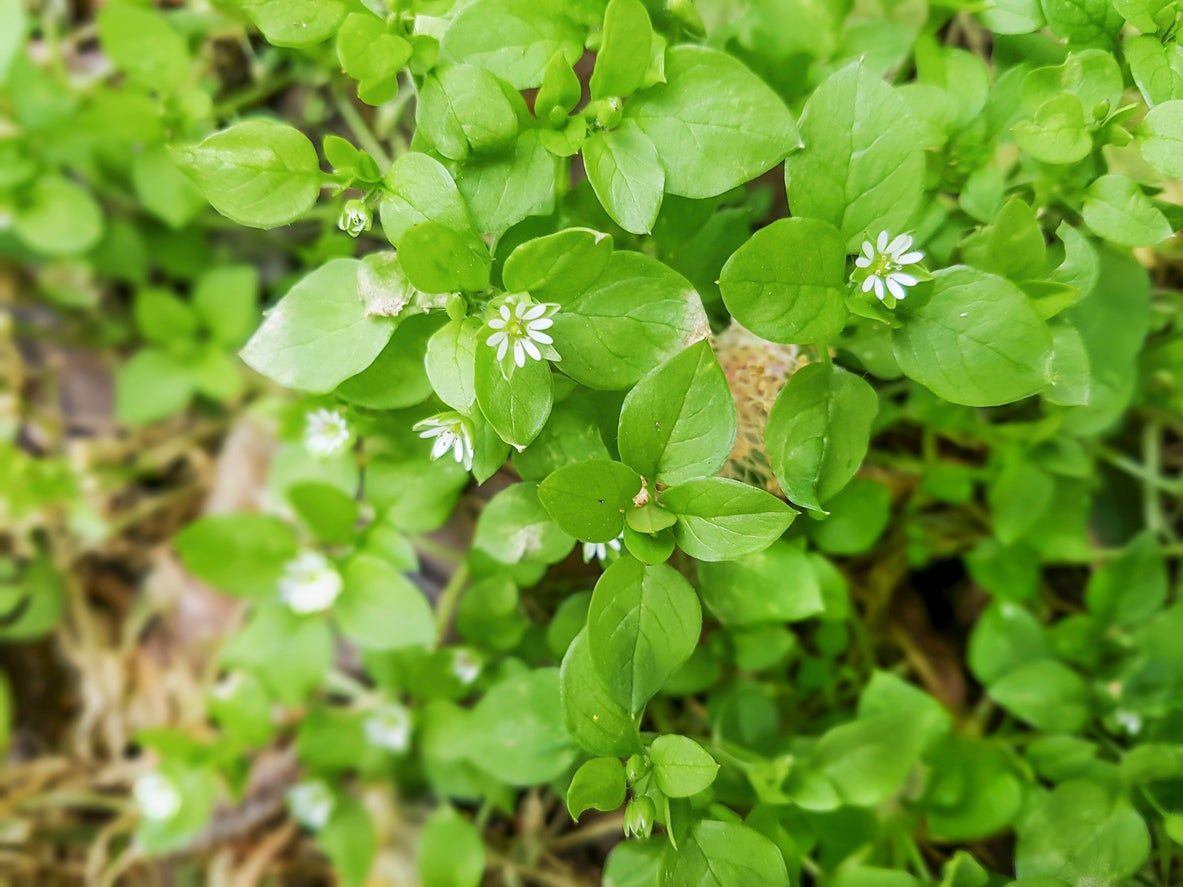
(878, 288)
(519, 354)
(541, 338)
(502, 348)
(901, 243)
(911, 258)
(534, 312)
(862, 262)
(905, 279)
(893, 287)
(881, 242)
(532, 349)
(868, 283)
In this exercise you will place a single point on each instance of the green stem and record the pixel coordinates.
(360, 129)
(448, 600)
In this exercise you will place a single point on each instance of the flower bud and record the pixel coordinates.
(1101, 110)
(355, 218)
(635, 768)
(457, 307)
(638, 818)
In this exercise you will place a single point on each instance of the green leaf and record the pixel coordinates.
(144, 46)
(714, 123)
(1057, 133)
(596, 721)
(162, 317)
(977, 341)
(227, 300)
(518, 406)
(514, 38)
(514, 527)
(372, 56)
(1005, 637)
(462, 109)
(1012, 246)
(818, 432)
(451, 853)
(626, 173)
(643, 624)
(721, 519)
(153, 385)
(451, 362)
(788, 282)
(588, 499)
(295, 23)
(419, 189)
(681, 767)
(58, 218)
(788, 583)
(1046, 694)
(259, 173)
(678, 422)
(559, 267)
(327, 511)
(13, 25)
(288, 653)
(349, 841)
(862, 168)
(1129, 589)
(518, 733)
(502, 189)
(1161, 138)
(1115, 208)
(1083, 22)
(379, 609)
(625, 50)
(320, 333)
(724, 854)
(163, 189)
(598, 784)
(438, 259)
(396, 379)
(1157, 69)
(635, 315)
(1082, 832)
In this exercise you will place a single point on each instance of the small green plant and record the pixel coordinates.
(760, 338)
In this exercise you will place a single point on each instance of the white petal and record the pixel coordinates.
(540, 337)
(911, 258)
(520, 310)
(901, 243)
(502, 348)
(868, 250)
(862, 262)
(878, 288)
(458, 451)
(543, 323)
(905, 279)
(868, 283)
(881, 243)
(497, 323)
(894, 288)
(535, 312)
(504, 312)
(495, 338)
(519, 354)
(532, 349)
(442, 445)
(431, 432)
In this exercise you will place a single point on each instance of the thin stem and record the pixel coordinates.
(360, 129)
(448, 600)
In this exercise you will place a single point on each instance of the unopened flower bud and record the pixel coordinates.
(638, 818)
(635, 768)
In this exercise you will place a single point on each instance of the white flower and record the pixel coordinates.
(1130, 721)
(309, 583)
(451, 432)
(599, 550)
(884, 263)
(465, 666)
(520, 327)
(355, 218)
(325, 432)
(157, 795)
(389, 727)
(226, 687)
(311, 803)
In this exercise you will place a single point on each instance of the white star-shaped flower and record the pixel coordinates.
(884, 261)
(157, 796)
(599, 550)
(326, 433)
(465, 666)
(451, 431)
(521, 327)
(389, 727)
(311, 803)
(309, 583)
